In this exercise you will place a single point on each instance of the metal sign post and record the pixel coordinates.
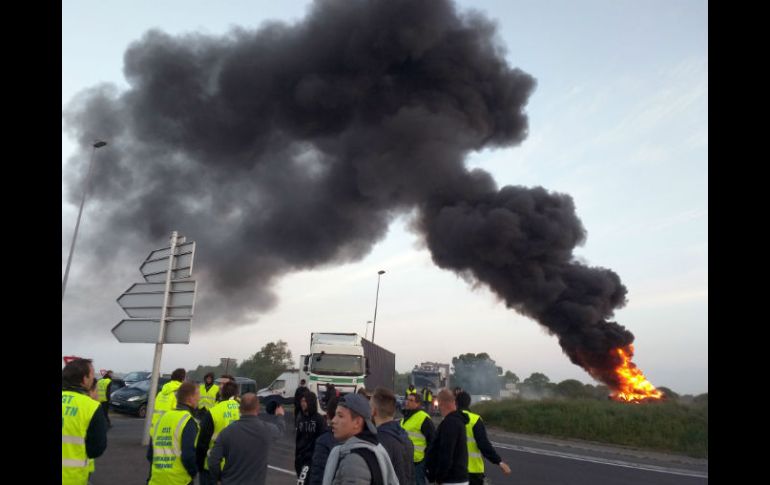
(160, 310)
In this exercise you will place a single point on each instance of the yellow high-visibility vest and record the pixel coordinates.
(208, 398)
(164, 401)
(77, 410)
(223, 414)
(167, 467)
(412, 427)
(475, 460)
(101, 388)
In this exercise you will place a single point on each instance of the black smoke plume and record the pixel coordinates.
(291, 147)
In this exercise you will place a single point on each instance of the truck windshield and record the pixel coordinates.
(278, 385)
(425, 380)
(336, 365)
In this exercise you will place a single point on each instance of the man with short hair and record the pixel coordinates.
(166, 398)
(245, 444)
(172, 449)
(447, 457)
(420, 429)
(391, 435)
(361, 459)
(410, 390)
(83, 426)
(478, 443)
(221, 415)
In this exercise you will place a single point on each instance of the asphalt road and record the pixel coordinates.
(534, 461)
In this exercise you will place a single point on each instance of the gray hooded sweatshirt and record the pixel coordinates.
(346, 468)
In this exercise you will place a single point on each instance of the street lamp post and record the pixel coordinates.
(376, 299)
(97, 144)
(367, 328)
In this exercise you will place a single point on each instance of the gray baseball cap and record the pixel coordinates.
(359, 405)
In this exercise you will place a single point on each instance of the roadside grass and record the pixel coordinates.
(661, 426)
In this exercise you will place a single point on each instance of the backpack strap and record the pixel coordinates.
(371, 462)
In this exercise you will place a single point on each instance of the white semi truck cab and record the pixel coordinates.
(335, 358)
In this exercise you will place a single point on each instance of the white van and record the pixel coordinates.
(283, 386)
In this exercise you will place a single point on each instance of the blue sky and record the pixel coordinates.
(618, 120)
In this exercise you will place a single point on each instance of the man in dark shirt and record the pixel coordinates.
(480, 445)
(447, 457)
(245, 444)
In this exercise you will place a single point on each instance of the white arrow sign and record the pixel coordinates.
(147, 331)
(145, 300)
(155, 266)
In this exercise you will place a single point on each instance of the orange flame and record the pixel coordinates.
(634, 387)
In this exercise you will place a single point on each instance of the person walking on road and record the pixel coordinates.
(83, 425)
(244, 445)
(478, 443)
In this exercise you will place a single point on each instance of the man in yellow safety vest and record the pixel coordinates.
(104, 389)
(226, 411)
(172, 451)
(478, 443)
(83, 426)
(420, 428)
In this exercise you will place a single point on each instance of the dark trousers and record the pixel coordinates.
(106, 411)
(476, 479)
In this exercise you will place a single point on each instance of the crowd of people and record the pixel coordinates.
(211, 432)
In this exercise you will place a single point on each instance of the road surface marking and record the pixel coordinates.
(281, 470)
(603, 461)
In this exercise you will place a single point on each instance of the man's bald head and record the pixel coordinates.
(249, 404)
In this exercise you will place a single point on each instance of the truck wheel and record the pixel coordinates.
(142, 411)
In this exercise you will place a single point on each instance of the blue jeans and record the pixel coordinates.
(419, 473)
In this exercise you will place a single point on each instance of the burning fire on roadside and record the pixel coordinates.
(633, 385)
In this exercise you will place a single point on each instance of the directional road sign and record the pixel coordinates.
(155, 266)
(147, 331)
(145, 300)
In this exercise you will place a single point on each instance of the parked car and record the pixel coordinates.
(133, 399)
(244, 385)
(136, 376)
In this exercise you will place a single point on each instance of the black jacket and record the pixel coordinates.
(323, 445)
(245, 445)
(309, 427)
(400, 449)
(447, 457)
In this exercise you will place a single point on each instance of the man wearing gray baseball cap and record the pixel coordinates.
(360, 459)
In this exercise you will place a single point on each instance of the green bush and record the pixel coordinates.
(663, 426)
